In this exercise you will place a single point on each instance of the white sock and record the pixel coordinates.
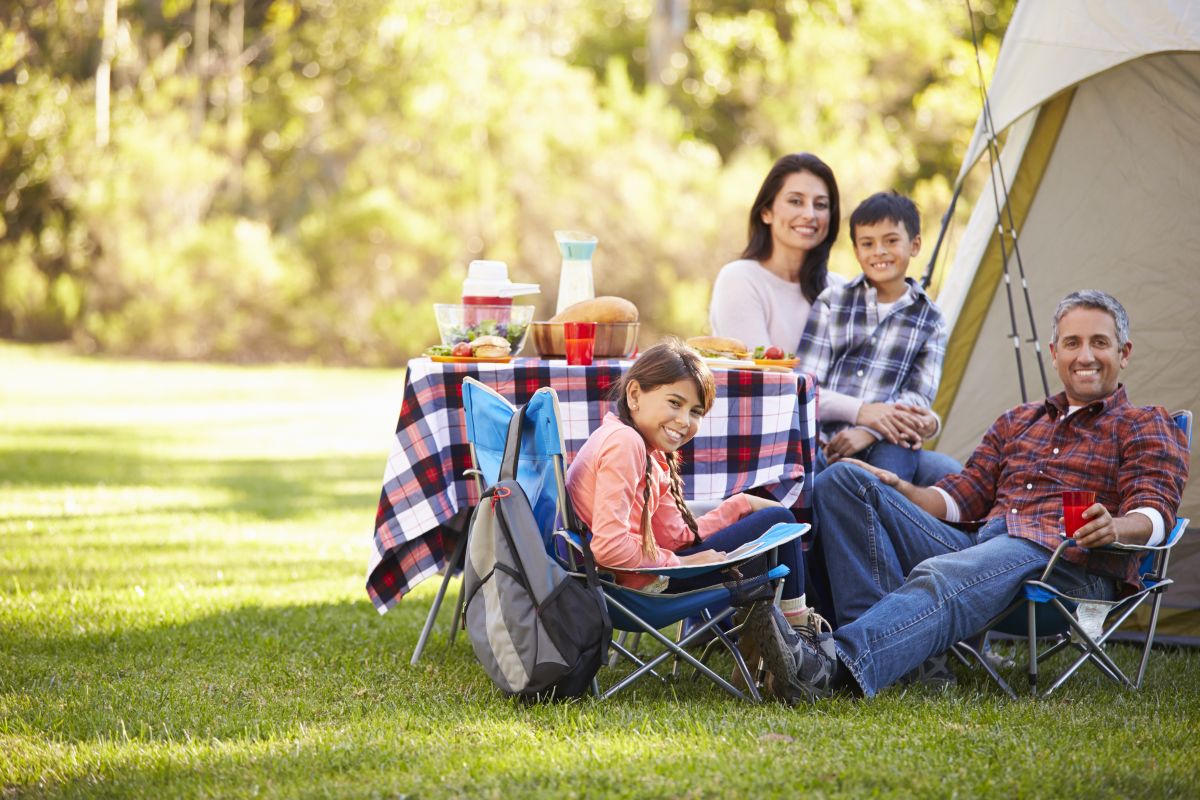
(792, 605)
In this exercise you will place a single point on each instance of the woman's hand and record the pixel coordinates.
(703, 557)
(847, 442)
(759, 503)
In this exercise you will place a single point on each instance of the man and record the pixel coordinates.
(908, 585)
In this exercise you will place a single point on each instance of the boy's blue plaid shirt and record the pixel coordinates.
(850, 350)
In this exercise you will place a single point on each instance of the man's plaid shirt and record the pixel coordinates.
(1131, 457)
(849, 349)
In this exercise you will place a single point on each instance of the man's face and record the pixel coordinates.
(1086, 355)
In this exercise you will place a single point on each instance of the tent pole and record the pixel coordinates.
(998, 174)
(927, 278)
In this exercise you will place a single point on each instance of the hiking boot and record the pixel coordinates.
(767, 636)
(933, 673)
(801, 665)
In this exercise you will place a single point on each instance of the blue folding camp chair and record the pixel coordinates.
(542, 472)
(1084, 625)
(487, 415)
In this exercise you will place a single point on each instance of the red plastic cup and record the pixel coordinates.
(581, 342)
(1075, 502)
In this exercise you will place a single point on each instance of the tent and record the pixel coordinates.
(1096, 108)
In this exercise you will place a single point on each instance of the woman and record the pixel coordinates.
(764, 297)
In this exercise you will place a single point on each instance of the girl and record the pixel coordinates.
(625, 484)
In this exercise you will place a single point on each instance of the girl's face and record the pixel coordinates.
(667, 417)
(799, 215)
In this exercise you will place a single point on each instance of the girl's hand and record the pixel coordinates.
(759, 503)
(703, 557)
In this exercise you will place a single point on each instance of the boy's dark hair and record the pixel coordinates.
(888, 205)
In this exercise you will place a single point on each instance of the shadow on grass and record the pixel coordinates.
(271, 489)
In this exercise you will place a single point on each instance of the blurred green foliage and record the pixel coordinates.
(311, 181)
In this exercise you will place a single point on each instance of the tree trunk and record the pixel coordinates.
(235, 91)
(668, 24)
(108, 48)
(200, 109)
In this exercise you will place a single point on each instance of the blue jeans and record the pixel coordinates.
(747, 529)
(921, 467)
(907, 586)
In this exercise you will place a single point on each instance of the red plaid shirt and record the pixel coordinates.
(1130, 457)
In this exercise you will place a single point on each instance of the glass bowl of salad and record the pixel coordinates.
(458, 322)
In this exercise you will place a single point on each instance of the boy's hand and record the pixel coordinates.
(847, 442)
(895, 422)
(929, 420)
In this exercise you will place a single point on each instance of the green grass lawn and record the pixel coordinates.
(182, 613)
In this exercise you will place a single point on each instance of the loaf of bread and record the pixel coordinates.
(599, 309)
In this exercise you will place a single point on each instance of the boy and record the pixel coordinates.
(875, 346)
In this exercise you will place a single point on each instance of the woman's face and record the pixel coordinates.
(799, 215)
(668, 416)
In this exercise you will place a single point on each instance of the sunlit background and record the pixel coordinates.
(260, 180)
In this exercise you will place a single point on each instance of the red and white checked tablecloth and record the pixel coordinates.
(760, 433)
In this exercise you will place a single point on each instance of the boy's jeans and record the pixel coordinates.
(956, 581)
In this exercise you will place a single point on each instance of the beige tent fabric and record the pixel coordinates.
(1050, 45)
(1118, 209)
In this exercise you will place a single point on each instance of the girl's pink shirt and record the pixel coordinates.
(606, 483)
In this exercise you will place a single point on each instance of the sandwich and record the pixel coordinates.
(719, 347)
(490, 347)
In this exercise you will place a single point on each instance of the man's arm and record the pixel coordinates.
(923, 497)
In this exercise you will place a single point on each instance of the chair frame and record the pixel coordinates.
(1066, 630)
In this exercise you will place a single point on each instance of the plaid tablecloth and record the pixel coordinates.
(759, 433)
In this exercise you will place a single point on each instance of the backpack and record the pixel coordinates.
(538, 631)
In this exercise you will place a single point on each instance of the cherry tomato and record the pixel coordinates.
(461, 349)
(773, 353)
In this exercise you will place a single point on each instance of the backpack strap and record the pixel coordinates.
(508, 471)
(512, 446)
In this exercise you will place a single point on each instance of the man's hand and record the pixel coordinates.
(847, 442)
(894, 422)
(886, 477)
(703, 557)
(928, 499)
(1102, 528)
(759, 503)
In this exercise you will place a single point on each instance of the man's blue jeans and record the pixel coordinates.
(907, 586)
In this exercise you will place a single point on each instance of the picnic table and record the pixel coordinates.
(760, 432)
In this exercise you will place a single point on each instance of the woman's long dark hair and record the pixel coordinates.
(815, 269)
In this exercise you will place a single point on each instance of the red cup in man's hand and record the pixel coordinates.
(1075, 502)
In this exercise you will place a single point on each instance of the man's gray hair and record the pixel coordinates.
(1101, 301)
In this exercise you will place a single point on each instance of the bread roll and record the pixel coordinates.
(719, 346)
(490, 347)
(600, 309)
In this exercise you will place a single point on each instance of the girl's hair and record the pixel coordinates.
(815, 269)
(665, 363)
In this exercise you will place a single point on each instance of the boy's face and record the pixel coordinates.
(883, 250)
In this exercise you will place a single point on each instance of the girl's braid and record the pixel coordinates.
(649, 547)
(677, 492)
